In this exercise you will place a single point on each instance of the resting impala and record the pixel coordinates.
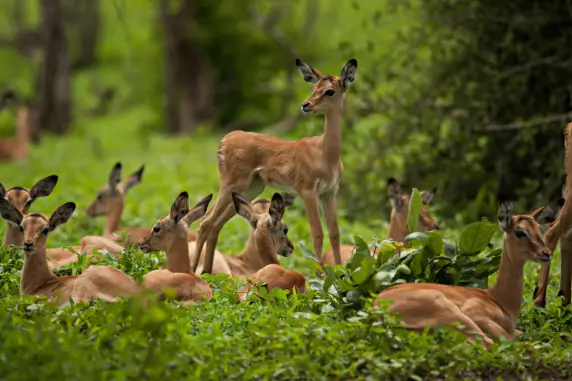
(169, 234)
(110, 201)
(560, 229)
(16, 149)
(274, 276)
(397, 220)
(22, 199)
(483, 313)
(37, 279)
(311, 167)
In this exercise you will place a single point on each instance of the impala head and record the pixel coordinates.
(35, 226)
(400, 206)
(175, 225)
(328, 90)
(113, 192)
(23, 198)
(267, 224)
(522, 235)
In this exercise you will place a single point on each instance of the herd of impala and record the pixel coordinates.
(309, 168)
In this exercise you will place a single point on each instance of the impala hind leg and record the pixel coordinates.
(329, 204)
(565, 269)
(205, 228)
(539, 292)
(254, 189)
(310, 199)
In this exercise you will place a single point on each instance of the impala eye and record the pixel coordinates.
(21, 227)
(519, 234)
(46, 230)
(285, 230)
(329, 92)
(156, 229)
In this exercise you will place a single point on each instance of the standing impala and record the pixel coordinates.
(311, 167)
(397, 220)
(561, 229)
(483, 313)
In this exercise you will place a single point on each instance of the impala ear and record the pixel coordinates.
(288, 199)
(180, 207)
(394, 192)
(114, 177)
(348, 73)
(44, 187)
(244, 209)
(427, 195)
(277, 207)
(309, 74)
(10, 213)
(133, 179)
(199, 210)
(505, 214)
(2, 191)
(61, 215)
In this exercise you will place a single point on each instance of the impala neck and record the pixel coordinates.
(23, 128)
(397, 228)
(332, 138)
(13, 236)
(178, 256)
(114, 216)
(35, 272)
(259, 251)
(509, 287)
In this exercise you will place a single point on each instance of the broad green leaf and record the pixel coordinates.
(476, 236)
(306, 252)
(357, 259)
(383, 279)
(436, 242)
(417, 236)
(364, 272)
(345, 285)
(361, 244)
(415, 204)
(330, 277)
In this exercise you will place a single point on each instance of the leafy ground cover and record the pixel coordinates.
(321, 336)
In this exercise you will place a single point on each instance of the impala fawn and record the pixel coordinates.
(311, 167)
(560, 229)
(491, 312)
(169, 234)
(37, 279)
(17, 148)
(397, 220)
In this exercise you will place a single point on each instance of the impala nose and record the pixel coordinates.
(306, 107)
(28, 244)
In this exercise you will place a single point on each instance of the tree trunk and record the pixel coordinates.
(172, 117)
(54, 101)
(85, 16)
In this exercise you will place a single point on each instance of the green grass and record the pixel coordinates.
(293, 339)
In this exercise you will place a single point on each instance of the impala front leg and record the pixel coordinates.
(312, 211)
(329, 203)
(565, 269)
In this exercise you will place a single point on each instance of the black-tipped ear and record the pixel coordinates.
(114, 176)
(427, 195)
(199, 210)
(394, 192)
(505, 214)
(348, 73)
(277, 207)
(309, 74)
(9, 212)
(288, 199)
(133, 179)
(180, 207)
(44, 187)
(2, 191)
(244, 209)
(61, 215)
